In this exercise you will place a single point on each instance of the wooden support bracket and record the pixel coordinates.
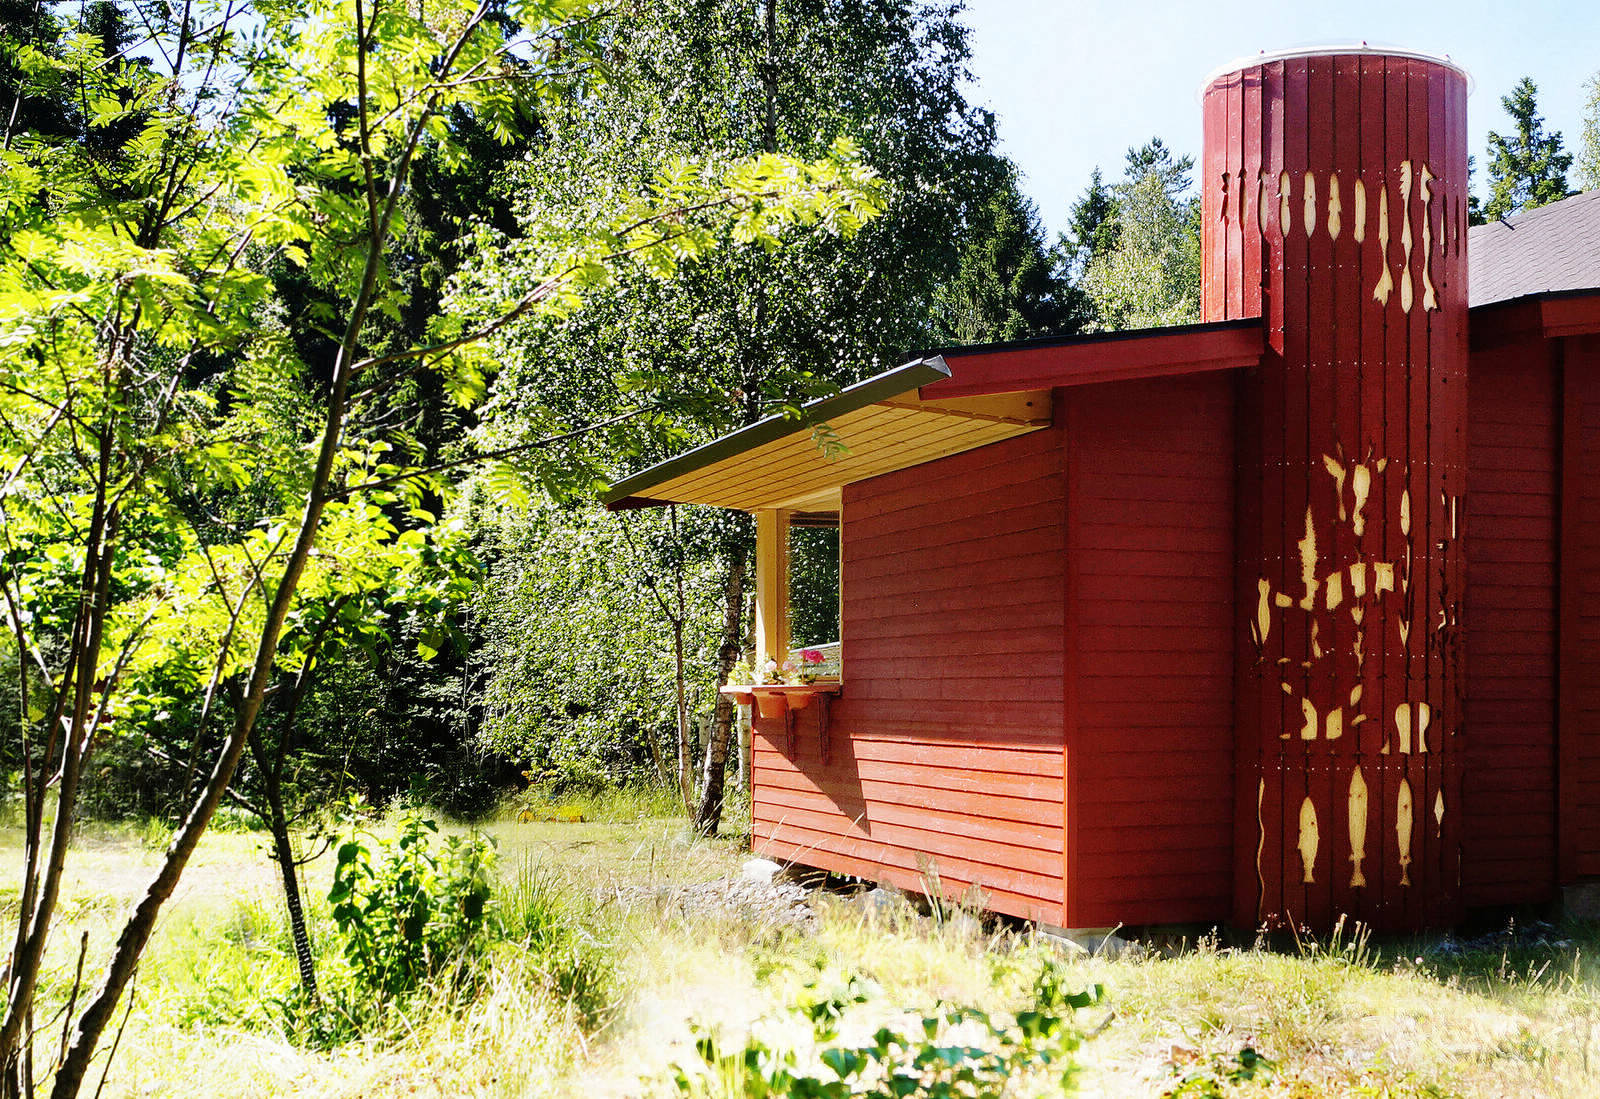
(785, 700)
(823, 703)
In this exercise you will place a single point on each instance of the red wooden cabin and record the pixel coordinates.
(1284, 615)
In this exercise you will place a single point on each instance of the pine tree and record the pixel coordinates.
(1091, 226)
(1150, 274)
(42, 101)
(1528, 169)
(1006, 286)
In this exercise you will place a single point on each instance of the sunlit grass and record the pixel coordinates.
(609, 1007)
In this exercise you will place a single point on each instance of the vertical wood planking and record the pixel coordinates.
(1425, 478)
(1256, 193)
(1294, 777)
(1393, 442)
(1323, 434)
(1250, 683)
(1214, 211)
(1235, 270)
(1375, 172)
(1266, 747)
(1359, 415)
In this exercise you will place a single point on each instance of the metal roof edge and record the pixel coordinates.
(1131, 355)
(1087, 338)
(891, 383)
(1536, 296)
(1333, 49)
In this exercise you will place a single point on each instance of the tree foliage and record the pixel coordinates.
(578, 675)
(753, 330)
(1589, 137)
(750, 330)
(182, 492)
(813, 585)
(1143, 265)
(1006, 285)
(1091, 227)
(1527, 167)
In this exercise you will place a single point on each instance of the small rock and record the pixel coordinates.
(1071, 946)
(760, 870)
(1100, 943)
(1114, 946)
(1582, 902)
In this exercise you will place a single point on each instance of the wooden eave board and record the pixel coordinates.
(1103, 357)
(880, 438)
(1537, 316)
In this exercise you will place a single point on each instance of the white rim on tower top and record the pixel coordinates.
(1359, 48)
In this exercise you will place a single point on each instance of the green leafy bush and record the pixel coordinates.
(952, 1051)
(408, 913)
(1216, 1079)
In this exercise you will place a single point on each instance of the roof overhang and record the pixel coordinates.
(884, 424)
(1109, 357)
(1535, 316)
(941, 403)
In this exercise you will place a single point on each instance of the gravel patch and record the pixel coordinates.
(770, 906)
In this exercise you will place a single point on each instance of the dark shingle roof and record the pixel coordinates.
(1555, 247)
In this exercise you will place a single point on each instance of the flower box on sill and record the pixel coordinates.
(777, 699)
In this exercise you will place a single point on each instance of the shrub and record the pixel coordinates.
(420, 930)
(410, 914)
(952, 1051)
(1216, 1079)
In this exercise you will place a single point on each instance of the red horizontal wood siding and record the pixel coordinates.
(1579, 612)
(1150, 724)
(944, 752)
(1508, 831)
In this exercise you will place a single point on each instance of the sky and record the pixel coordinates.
(1074, 83)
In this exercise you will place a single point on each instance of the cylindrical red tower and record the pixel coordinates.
(1334, 205)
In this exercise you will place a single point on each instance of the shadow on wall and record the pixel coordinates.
(808, 777)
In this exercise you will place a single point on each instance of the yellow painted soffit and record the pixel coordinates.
(893, 434)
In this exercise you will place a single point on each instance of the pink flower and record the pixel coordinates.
(811, 656)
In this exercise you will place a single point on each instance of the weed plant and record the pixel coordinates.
(952, 1051)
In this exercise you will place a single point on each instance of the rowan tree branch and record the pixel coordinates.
(489, 456)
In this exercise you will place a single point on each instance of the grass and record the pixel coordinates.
(604, 976)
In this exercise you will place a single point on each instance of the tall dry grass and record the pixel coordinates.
(604, 973)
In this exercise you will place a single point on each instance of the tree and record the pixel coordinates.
(1091, 228)
(581, 682)
(1528, 168)
(1150, 274)
(1474, 203)
(135, 333)
(753, 332)
(1589, 140)
(1005, 286)
(26, 26)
